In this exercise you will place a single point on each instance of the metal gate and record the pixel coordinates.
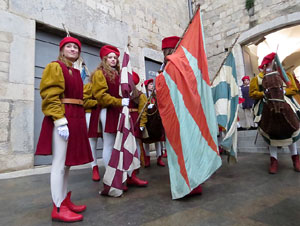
(46, 50)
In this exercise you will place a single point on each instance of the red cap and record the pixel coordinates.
(169, 42)
(246, 77)
(105, 50)
(135, 78)
(267, 59)
(69, 40)
(148, 81)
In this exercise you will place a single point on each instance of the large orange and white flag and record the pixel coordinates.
(187, 110)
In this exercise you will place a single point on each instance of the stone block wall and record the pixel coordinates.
(141, 23)
(224, 20)
(16, 91)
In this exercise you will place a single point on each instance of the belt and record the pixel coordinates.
(71, 101)
(133, 110)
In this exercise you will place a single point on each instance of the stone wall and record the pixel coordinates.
(224, 20)
(141, 23)
(17, 36)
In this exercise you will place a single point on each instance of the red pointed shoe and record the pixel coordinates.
(160, 162)
(296, 162)
(135, 181)
(96, 176)
(63, 213)
(72, 206)
(196, 191)
(165, 155)
(147, 161)
(273, 166)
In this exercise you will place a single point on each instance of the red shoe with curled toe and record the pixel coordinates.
(147, 161)
(96, 176)
(135, 181)
(160, 162)
(63, 213)
(72, 206)
(273, 166)
(197, 190)
(165, 155)
(296, 162)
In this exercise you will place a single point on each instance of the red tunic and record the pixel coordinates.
(95, 129)
(112, 115)
(78, 150)
(134, 115)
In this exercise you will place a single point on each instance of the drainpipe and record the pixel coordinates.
(190, 8)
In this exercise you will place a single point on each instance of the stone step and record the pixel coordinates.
(246, 143)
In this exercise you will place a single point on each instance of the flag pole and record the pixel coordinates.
(229, 51)
(143, 109)
(197, 8)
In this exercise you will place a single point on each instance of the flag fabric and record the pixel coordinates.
(124, 157)
(186, 108)
(83, 73)
(226, 99)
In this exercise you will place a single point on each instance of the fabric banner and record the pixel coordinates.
(124, 156)
(226, 99)
(186, 107)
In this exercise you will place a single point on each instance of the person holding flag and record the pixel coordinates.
(256, 92)
(106, 82)
(187, 111)
(64, 132)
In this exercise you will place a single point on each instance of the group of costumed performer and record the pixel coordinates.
(256, 92)
(64, 132)
(105, 89)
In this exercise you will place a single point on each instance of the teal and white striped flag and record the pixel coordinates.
(226, 99)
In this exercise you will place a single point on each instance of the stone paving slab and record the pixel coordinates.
(239, 194)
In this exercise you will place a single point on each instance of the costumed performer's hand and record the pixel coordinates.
(125, 101)
(150, 106)
(142, 128)
(63, 131)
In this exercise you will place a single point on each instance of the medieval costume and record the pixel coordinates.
(246, 113)
(136, 108)
(105, 89)
(92, 116)
(154, 118)
(260, 94)
(64, 132)
(168, 45)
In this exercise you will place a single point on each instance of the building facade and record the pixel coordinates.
(30, 31)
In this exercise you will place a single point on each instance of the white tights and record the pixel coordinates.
(93, 140)
(109, 141)
(59, 172)
(292, 147)
(157, 148)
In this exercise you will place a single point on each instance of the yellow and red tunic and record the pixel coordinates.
(59, 82)
(106, 92)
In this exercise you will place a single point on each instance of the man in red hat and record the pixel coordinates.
(246, 113)
(256, 92)
(168, 45)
